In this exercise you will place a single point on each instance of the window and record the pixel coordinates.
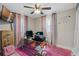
(22, 26)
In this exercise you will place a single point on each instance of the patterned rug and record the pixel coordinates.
(26, 50)
(49, 50)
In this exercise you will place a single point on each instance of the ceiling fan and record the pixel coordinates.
(38, 9)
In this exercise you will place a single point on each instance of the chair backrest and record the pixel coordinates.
(29, 33)
(40, 33)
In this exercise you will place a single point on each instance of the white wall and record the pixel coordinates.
(4, 26)
(76, 36)
(65, 28)
(0, 7)
(37, 23)
(31, 25)
(34, 24)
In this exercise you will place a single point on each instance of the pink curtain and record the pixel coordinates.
(18, 28)
(54, 29)
(21, 28)
(25, 23)
(43, 24)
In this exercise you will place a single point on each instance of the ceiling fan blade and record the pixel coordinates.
(28, 7)
(36, 6)
(32, 12)
(46, 8)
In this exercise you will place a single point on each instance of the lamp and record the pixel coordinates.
(37, 11)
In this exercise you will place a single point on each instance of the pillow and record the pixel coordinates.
(9, 50)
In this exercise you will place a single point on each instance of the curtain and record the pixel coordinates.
(43, 24)
(25, 23)
(21, 27)
(53, 29)
(18, 30)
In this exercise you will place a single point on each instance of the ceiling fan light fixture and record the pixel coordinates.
(37, 11)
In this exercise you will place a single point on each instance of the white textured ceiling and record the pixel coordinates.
(55, 7)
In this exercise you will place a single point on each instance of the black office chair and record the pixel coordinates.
(39, 33)
(39, 37)
(29, 34)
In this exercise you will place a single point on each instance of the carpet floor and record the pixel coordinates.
(49, 50)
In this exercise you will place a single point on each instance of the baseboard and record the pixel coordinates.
(73, 54)
(77, 54)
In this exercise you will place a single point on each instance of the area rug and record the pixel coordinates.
(26, 50)
(48, 50)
